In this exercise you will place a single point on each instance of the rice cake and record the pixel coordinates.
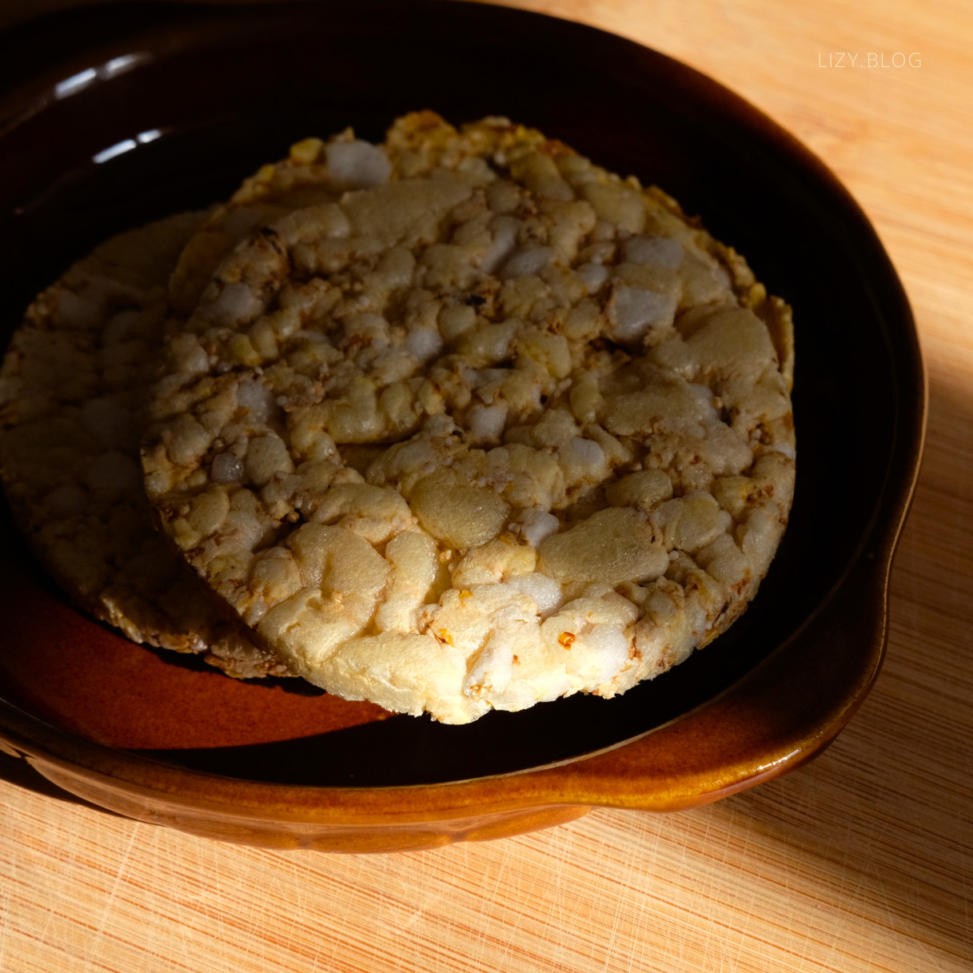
(73, 391)
(501, 428)
(72, 403)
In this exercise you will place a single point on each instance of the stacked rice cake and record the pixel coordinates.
(73, 396)
(498, 428)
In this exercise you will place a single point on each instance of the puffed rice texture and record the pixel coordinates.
(498, 428)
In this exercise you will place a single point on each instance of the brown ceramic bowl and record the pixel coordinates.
(155, 738)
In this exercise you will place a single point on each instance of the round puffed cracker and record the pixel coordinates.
(102, 554)
(72, 404)
(501, 428)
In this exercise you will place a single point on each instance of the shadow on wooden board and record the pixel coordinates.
(885, 817)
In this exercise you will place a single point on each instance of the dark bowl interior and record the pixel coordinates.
(231, 88)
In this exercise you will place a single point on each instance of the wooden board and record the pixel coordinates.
(862, 861)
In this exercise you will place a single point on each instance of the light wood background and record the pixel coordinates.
(862, 861)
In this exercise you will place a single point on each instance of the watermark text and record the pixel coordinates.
(869, 59)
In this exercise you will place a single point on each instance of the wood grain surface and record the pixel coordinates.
(861, 861)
